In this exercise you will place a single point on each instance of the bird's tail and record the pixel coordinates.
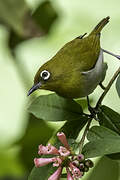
(100, 26)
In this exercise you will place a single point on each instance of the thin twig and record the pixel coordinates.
(84, 135)
(107, 88)
(112, 54)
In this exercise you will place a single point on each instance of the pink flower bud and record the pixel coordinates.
(71, 165)
(69, 176)
(49, 149)
(63, 151)
(75, 171)
(43, 161)
(80, 157)
(57, 162)
(61, 136)
(56, 175)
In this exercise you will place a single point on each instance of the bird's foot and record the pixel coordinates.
(93, 111)
(102, 86)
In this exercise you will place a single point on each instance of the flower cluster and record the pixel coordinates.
(75, 165)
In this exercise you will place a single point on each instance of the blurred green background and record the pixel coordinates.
(20, 132)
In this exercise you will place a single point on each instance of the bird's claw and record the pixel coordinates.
(102, 86)
(93, 111)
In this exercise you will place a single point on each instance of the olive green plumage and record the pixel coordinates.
(69, 70)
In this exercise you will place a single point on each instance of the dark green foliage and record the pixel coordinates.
(13, 14)
(105, 169)
(41, 173)
(72, 128)
(102, 141)
(45, 15)
(118, 85)
(22, 24)
(109, 118)
(55, 108)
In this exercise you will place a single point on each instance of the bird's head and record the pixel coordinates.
(48, 77)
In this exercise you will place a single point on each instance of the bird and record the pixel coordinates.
(76, 69)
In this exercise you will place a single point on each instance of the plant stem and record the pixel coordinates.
(84, 135)
(112, 54)
(107, 88)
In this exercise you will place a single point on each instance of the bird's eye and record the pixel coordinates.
(45, 75)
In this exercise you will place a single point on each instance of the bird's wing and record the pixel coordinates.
(97, 74)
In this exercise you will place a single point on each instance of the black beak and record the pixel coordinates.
(35, 87)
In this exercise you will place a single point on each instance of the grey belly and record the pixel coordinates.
(93, 77)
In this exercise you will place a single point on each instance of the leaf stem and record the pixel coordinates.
(81, 143)
(107, 88)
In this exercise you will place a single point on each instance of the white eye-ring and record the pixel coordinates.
(45, 75)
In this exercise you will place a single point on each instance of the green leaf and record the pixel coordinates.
(32, 24)
(103, 141)
(20, 21)
(100, 132)
(109, 119)
(12, 13)
(104, 165)
(118, 85)
(72, 128)
(73, 144)
(16, 15)
(55, 108)
(41, 173)
(45, 15)
(114, 156)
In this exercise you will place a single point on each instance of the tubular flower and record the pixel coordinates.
(57, 162)
(61, 136)
(49, 149)
(43, 161)
(69, 176)
(63, 151)
(56, 175)
(75, 165)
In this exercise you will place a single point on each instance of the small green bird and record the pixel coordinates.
(76, 69)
